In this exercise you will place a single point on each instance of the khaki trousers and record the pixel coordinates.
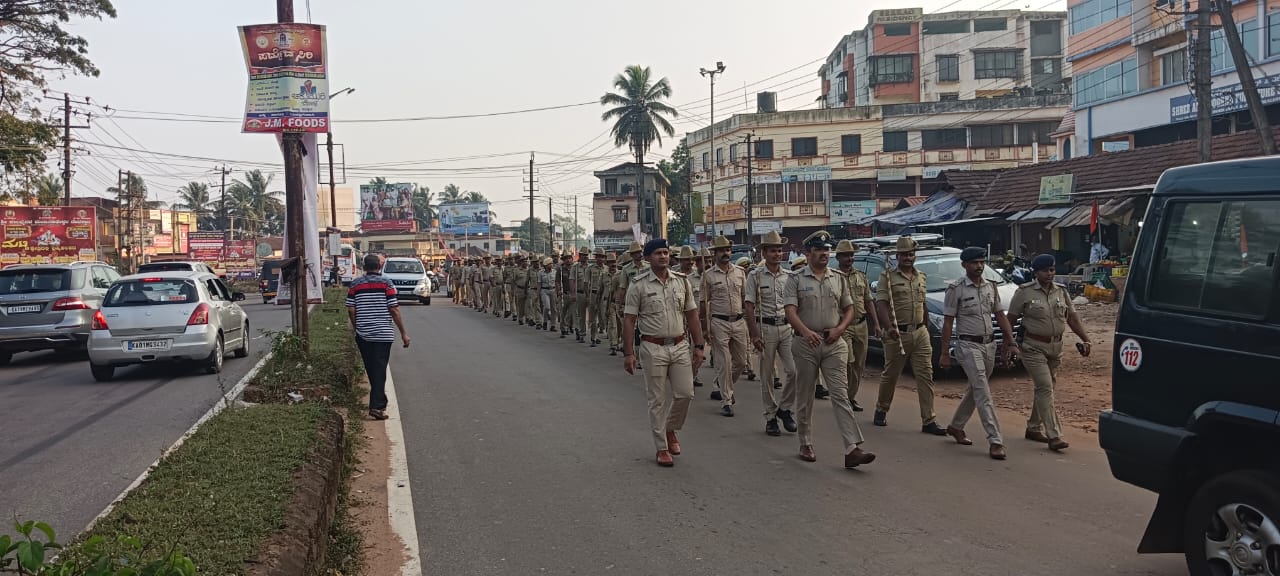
(777, 345)
(522, 303)
(831, 360)
(920, 353)
(580, 312)
(855, 337)
(1041, 360)
(978, 361)
(599, 316)
(668, 379)
(729, 343)
(535, 307)
(615, 338)
(566, 312)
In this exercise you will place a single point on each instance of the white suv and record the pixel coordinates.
(409, 277)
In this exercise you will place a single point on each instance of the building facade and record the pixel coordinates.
(345, 198)
(620, 208)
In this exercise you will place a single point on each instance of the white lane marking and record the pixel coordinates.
(399, 493)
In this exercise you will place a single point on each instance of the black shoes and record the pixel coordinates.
(777, 384)
(715, 395)
(787, 421)
(771, 427)
(933, 428)
(856, 406)
(727, 411)
(880, 419)
(821, 393)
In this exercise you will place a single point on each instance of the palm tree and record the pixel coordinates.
(424, 211)
(474, 198)
(259, 210)
(135, 184)
(49, 189)
(451, 195)
(194, 196)
(639, 115)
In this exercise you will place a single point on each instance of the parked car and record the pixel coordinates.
(269, 280)
(167, 317)
(409, 277)
(1195, 411)
(175, 266)
(50, 306)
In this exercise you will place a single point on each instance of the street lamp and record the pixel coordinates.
(711, 203)
(333, 195)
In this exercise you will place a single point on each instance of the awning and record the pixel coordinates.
(1113, 211)
(1039, 214)
(941, 207)
(956, 222)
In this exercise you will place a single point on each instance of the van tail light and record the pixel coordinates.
(64, 304)
(200, 316)
(99, 323)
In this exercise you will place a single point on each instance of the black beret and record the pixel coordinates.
(654, 244)
(1042, 262)
(973, 253)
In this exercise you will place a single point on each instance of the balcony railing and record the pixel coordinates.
(976, 105)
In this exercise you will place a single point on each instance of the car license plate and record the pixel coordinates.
(25, 309)
(146, 345)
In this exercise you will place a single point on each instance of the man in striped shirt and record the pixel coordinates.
(372, 307)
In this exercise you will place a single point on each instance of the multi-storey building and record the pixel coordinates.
(620, 208)
(906, 56)
(1133, 68)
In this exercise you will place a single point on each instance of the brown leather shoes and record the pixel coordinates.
(1058, 444)
(998, 452)
(664, 459)
(1037, 437)
(959, 435)
(858, 457)
(673, 444)
(806, 454)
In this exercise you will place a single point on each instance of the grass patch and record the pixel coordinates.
(328, 370)
(218, 496)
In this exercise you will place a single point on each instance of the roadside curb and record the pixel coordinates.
(399, 491)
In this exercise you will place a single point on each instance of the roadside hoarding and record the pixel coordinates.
(387, 208)
(48, 235)
(205, 245)
(844, 212)
(240, 260)
(469, 218)
(288, 78)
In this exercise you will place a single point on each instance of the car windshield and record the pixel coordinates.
(942, 271)
(151, 292)
(32, 281)
(403, 267)
(165, 267)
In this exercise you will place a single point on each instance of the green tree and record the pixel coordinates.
(424, 210)
(134, 183)
(639, 118)
(539, 243)
(49, 188)
(452, 194)
(253, 207)
(568, 230)
(680, 195)
(194, 197)
(474, 198)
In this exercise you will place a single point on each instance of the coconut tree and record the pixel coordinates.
(424, 209)
(194, 197)
(452, 194)
(49, 189)
(252, 202)
(639, 115)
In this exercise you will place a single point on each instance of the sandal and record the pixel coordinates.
(378, 414)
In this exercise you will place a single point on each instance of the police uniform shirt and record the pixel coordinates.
(547, 277)
(908, 295)
(1044, 313)
(972, 306)
(859, 290)
(767, 291)
(659, 306)
(724, 290)
(819, 301)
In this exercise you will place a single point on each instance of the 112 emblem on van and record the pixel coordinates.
(1130, 355)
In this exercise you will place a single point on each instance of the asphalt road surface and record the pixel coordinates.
(71, 444)
(531, 455)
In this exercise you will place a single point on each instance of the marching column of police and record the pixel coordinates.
(807, 326)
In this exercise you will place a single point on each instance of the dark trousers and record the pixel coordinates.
(375, 356)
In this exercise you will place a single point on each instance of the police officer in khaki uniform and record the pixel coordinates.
(771, 334)
(533, 302)
(864, 318)
(599, 273)
(610, 310)
(659, 304)
(906, 335)
(509, 287)
(496, 296)
(686, 259)
(580, 280)
(563, 287)
(724, 286)
(521, 287)
(819, 308)
(547, 291)
(968, 306)
(1046, 311)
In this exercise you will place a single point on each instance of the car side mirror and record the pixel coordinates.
(237, 296)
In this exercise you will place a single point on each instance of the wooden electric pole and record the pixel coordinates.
(750, 192)
(67, 173)
(1245, 72)
(1203, 79)
(294, 196)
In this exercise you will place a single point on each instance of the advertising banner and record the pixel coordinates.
(162, 242)
(240, 261)
(472, 218)
(806, 174)
(205, 246)
(849, 211)
(387, 208)
(288, 78)
(314, 271)
(48, 235)
(1057, 189)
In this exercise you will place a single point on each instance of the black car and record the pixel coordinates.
(1195, 404)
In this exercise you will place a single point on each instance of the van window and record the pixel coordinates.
(1217, 257)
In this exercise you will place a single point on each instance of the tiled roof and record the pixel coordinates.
(1068, 124)
(971, 185)
(1017, 189)
(913, 200)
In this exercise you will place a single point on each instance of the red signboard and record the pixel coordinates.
(240, 257)
(288, 78)
(205, 245)
(48, 235)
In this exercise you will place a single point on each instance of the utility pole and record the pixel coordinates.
(551, 227)
(333, 205)
(222, 207)
(750, 193)
(530, 223)
(1247, 85)
(1203, 79)
(711, 202)
(295, 195)
(576, 227)
(66, 147)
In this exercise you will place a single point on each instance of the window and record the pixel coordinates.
(990, 24)
(1220, 56)
(896, 29)
(806, 192)
(851, 144)
(154, 292)
(733, 152)
(891, 69)
(719, 156)
(1094, 13)
(1046, 73)
(620, 214)
(1110, 81)
(1173, 68)
(1037, 132)
(993, 136)
(706, 160)
(101, 279)
(842, 87)
(1046, 38)
(1001, 64)
(946, 138)
(214, 293)
(1217, 257)
(801, 147)
(768, 194)
(1273, 34)
(948, 96)
(895, 141)
(948, 68)
(611, 187)
(764, 149)
(945, 27)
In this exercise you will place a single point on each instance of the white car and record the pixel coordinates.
(167, 317)
(409, 277)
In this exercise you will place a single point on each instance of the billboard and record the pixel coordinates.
(844, 212)
(205, 245)
(288, 78)
(470, 218)
(386, 207)
(48, 235)
(240, 258)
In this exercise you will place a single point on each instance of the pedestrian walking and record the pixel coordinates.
(372, 308)
(581, 279)
(497, 282)
(610, 312)
(547, 291)
(660, 304)
(564, 290)
(724, 288)
(864, 319)
(521, 283)
(900, 298)
(598, 273)
(967, 309)
(1046, 311)
(819, 309)
(687, 259)
(771, 335)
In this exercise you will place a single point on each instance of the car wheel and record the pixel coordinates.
(1233, 525)
(425, 301)
(265, 300)
(213, 364)
(102, 373)
(243, 350)
(5, 358)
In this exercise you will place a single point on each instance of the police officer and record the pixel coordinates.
(967, 309)
(486, 283)
(724, 286)
(521, 284)
(659, 303)
(562, 290)
(864, 318)
(546, 291)
(579, 282)
(1046, 311)
(819, 308)
(771, 335)
(598, 275)
(610, 311)
(900, 298)
(533, 316)
(687, 258)
(509, 287)
(497, 297)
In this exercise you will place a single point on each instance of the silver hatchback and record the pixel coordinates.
(167, 317)
(50, 306)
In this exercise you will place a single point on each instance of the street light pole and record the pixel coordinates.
(333, 196)
(711, 202)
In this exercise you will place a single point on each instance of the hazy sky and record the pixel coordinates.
(415, 58)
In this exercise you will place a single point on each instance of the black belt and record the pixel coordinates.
(777, 321)
(825, 332)
(1045, 339)
(582, 291)
(663, 341)
(726, 317)
(976, 339)
(859, 321)
(909, 327)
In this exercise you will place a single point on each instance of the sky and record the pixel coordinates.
(410, 59)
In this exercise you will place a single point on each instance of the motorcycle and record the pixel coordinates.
(1018, 270)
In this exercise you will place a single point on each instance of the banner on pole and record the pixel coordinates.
(288, 78)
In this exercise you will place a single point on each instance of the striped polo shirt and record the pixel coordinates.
(373, 297)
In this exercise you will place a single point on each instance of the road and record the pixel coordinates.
(71, 445)
(529, 454)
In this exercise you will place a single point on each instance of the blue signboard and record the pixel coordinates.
(1226, 99)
